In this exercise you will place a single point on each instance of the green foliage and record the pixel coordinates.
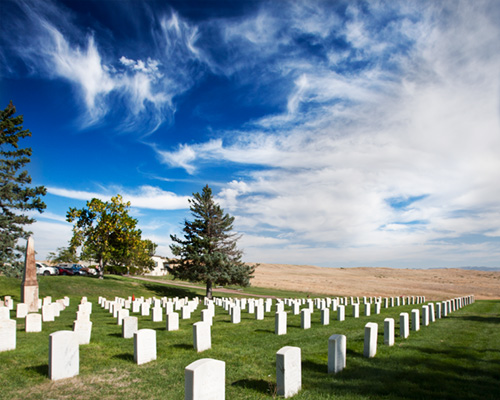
(208, 253)
(16, 194)
(64, 255)
(109, 235)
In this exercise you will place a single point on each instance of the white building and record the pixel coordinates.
(160, 268)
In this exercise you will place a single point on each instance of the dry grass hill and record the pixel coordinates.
(435, 284)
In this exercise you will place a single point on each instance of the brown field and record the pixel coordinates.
(435, 284)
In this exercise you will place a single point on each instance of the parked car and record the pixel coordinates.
(71, 269)
(65, 270)
(89, 271)
(44, 269)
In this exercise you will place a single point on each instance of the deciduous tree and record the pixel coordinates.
(16, 194)
(208, 253)
(109, 235)
(63, 255)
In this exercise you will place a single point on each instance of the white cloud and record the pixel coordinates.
(146, 197)
(53, 46)
(48, 236)
(427, 123)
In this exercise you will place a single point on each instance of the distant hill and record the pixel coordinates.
(487, 269)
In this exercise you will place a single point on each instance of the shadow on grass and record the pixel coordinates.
(412, 378)
(476, 318)
(119, 335)
(312, 366)
(42, 369)
(184, 346)
(124, 356)
(168, 291)
(259, 385)
(264, 331)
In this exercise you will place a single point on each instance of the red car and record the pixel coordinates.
(66, 271)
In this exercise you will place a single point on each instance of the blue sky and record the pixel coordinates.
(338, 133)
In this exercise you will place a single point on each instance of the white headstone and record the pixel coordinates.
(21, 310)
(268, 305)
(368, 308)
(288, 371)
(202, 339)
(341, 313)
(7, 334)
(47, 313)
(280, 323)
(404, 325)
(144, 346)
(64, 355)
(136, 306)
(56, 308)
(355, 310)
(121, 314)
(236, 315)
(432, 312)
(172, 321)
(336, 353)
(439, 310)
(145, 308)
(157, 314)
(205, 380)
(186, 312)
(389, 331)
(85, 307)
(206, 316)
(425, 315)
(129, 327)
(83, 331)
(325, 316)
(370, 345)
(415, 319)
(33, 322)
(305, 318)
(259, 312)
(82, 316)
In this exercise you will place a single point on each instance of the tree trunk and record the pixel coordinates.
(101, 269)
(209, 290)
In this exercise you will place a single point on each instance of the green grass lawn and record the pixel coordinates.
(453, 358)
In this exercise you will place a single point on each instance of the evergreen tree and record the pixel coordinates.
(208, 252)
(16, 194)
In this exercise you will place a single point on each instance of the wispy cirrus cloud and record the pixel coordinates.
(406, 108)
(103, 81)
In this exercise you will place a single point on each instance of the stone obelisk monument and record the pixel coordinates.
(29, 287)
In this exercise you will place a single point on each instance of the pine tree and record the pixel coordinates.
(208, 253)
(16, 195)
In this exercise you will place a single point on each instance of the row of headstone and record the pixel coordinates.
(22, 309)
(64, 348)
(145, 339)
(33, 320)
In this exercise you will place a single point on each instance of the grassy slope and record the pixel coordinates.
(455, 358)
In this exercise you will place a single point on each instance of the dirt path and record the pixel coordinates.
(187, 285)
